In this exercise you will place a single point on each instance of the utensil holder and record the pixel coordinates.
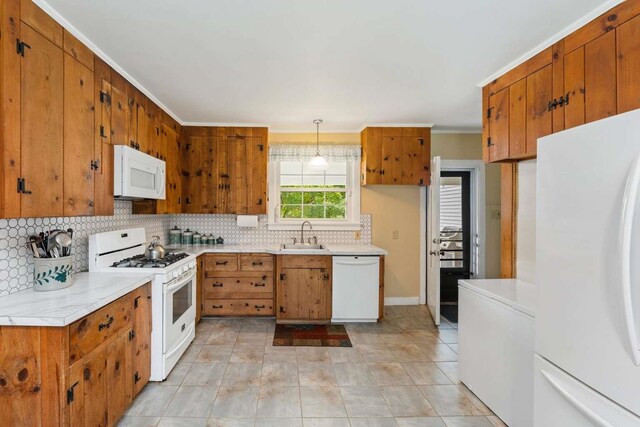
(51, 274)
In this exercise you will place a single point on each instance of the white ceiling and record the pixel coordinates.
(283, 63)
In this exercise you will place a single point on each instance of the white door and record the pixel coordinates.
(561, 400)
(587, 251)
(433, 242)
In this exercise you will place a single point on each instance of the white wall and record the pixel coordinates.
(526, 222)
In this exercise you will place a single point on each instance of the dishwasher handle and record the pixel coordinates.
(358, 261)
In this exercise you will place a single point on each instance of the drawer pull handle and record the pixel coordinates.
(217, 306)
(217, 285)
(222, 262)
(260, 306)
(256, 263)
(106, 325)
(260, 285)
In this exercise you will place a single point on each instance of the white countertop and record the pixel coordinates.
(274, 249)
(516, 293)
(89, 292)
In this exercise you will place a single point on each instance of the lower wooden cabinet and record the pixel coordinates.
(237, 285)
(303, 289)
(45, 380)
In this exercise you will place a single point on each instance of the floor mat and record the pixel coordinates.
(450, 312)
(305, 335)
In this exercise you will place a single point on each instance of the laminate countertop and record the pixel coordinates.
(90, 292)
(337, 250)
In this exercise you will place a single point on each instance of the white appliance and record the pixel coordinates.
(356, 288)
(496, 337)
(588, 274)
(137, 175)
(173, 291)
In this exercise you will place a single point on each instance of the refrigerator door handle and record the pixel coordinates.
(584, 409)
(624, 240)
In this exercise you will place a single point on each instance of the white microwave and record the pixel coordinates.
(137, 175)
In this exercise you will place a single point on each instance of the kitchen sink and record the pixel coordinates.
(302, 247)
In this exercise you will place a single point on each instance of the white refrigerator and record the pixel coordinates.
(587, 363)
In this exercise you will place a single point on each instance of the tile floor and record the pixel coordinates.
(400, 372)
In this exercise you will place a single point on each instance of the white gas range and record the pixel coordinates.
(173, 291)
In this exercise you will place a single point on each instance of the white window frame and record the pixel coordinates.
(351, 222)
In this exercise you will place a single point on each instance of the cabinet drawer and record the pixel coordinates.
(305, 261)
(231, 307)
(256, 262)
(239, 287)
(216, 262)
(92, 330)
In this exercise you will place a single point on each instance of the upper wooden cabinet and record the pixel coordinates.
(224, 170)
(589, 75)
(395, 156)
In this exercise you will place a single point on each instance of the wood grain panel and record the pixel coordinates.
(628, 64)
(256, 262)
(518, 118)
(600, 78)
(220, 262)
(142, 319)
(606, 22)
(41, 126)
(558, 83)
(425, 162)
(232, 307)
(120, 110)
(79, 134)
(9, 108)
(539, 119)
(411, 162)
(77, 50)
(260, 286)
(119, 376)
(37, 19)
(499, 125)
(96, 390)
(371, 139)
(486, 131)
(257, 165)
(391, 154)
(305, 261)
(523, 70)
(574, 86)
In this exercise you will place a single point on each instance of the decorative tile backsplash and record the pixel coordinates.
(225, 226)
(16, 264)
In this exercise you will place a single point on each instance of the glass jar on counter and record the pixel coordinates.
(187, 237)
(175, 236)
(197, 238)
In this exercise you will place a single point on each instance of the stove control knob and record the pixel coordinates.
(185, 268)
(192, 264)
(176, 273)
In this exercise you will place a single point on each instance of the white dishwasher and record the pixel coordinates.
(356, 282)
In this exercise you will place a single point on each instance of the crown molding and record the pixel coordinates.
(553, 39)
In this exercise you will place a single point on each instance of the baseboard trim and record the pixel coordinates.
(402, 301)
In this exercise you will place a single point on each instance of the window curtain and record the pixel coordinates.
(297, 152)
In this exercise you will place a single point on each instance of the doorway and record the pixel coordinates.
(453, 219)
(455, 238)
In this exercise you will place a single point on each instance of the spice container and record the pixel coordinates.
(187, 237)
(175, 236)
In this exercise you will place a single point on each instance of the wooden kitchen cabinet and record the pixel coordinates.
(589, 75)
(83, 374)
(237, 285)
(303, 288)
(395, 156)
(103, 150)
(224, 170)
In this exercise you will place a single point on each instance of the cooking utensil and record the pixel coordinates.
(63, 240)
(155, 250)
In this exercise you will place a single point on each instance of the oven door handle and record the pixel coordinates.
(171, 288)
(180, 344)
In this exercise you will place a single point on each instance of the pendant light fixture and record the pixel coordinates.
(318, 162)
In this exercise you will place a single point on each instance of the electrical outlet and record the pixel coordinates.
(395, 234)
(357, 235)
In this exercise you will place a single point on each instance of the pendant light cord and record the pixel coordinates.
(317, 122)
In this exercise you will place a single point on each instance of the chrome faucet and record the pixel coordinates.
(302, 230)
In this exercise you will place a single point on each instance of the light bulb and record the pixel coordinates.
(318, 162)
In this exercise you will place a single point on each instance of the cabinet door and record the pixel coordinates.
(239, 150)
(120, 111)
(142, 123)
(153, 138)
(539, 93)
(304, 293)
(79, 122)
(220, 188)
(174, 161)
(103, 151)
(574, 86)
(141, 366)
(411, 162)
(200, 171)
(499, 125)
(628, 64)
(391, 157)
(257, 183)
(41, 125)
(518, 118)
(600, 78)
(372, 155)
(425, 150)
(95, 390)
(120, 378)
